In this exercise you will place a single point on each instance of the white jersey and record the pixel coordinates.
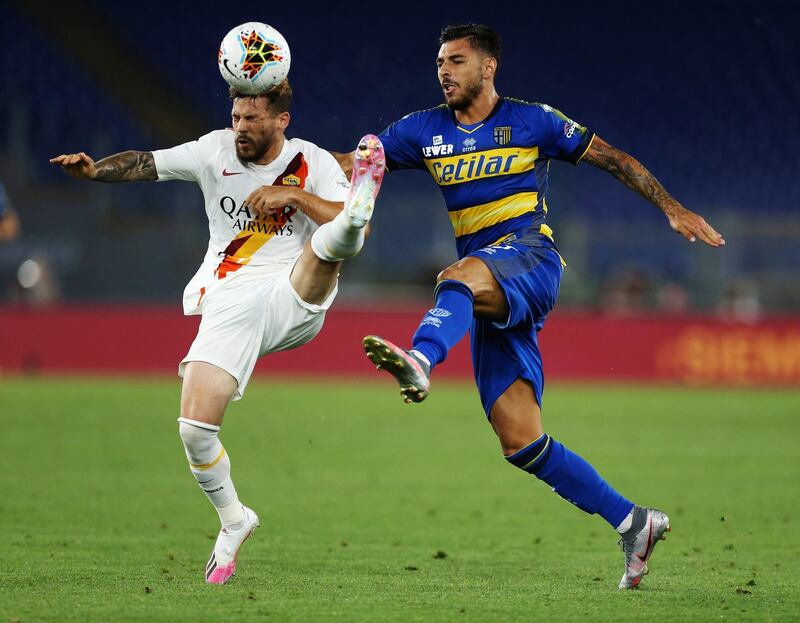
(239, 243)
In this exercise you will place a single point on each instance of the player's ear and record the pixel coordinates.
(489, 67)
(283, 120)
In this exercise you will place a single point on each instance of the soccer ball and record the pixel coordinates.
(253, 58)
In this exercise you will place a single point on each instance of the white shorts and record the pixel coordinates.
(249, 318)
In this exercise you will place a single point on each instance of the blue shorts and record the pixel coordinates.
(528, 268)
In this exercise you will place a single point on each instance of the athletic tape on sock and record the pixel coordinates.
(195, 423)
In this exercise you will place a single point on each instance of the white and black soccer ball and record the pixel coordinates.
(253, 58)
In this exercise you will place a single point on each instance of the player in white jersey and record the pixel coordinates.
(282, 216)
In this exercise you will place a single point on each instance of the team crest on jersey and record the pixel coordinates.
(291, 180)
(502, 134)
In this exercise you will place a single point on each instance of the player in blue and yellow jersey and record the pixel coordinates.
(490, 156)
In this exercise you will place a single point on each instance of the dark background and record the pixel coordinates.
(706, 95)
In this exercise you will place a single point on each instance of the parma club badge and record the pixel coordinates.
(502, 134)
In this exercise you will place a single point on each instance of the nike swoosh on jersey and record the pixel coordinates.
(226, 173)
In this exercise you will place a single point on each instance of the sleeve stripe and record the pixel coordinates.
(588, 138)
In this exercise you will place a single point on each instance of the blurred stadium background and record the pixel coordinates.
(374, 510)
(707, 95)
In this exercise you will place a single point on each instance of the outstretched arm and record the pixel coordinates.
(128, 166)
(634, 175)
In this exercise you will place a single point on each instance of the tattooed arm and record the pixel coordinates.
(635, 176)
(128, 166)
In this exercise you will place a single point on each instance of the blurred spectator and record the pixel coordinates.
(740, 302)
(36, 284)
(673, 298)
(9, 222)
(626, 293)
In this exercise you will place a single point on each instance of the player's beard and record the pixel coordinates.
(253, 151)
(471, 90)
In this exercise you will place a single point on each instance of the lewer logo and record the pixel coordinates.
(226, 173)
(502, 135)
(469, 145)
(437, 148)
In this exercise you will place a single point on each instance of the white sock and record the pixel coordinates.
(626, 523)
(211, 468)
(337, 240)
(421, 356)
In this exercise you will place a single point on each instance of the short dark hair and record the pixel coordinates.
(480, 37)
(279, 98)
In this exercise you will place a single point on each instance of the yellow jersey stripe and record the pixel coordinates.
(470, 220)
(586, 151)
(458, 127)
(243, 255)
(206, 466)
(545, 230)
(482, 164)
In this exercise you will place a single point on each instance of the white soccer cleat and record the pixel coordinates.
(638, 544)
(369, 166)
(221, 566)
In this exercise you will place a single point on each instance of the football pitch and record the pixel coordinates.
(372, 510)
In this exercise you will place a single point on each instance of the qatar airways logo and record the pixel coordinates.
(279, 224)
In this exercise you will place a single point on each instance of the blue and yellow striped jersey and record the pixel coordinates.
(493, 174)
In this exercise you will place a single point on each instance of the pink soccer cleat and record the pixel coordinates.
(221, 566)
(411, 373)
(369, 166)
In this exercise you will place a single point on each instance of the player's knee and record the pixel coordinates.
(198, 438)
(204, 405)
(513, 444)
(451, 273)
(528, 456)
(457, 273)
(191, 410)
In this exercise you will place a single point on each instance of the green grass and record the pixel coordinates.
(357, 492)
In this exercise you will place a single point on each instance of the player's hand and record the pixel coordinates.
(692, 226)
(80, 166)
(268, 201)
